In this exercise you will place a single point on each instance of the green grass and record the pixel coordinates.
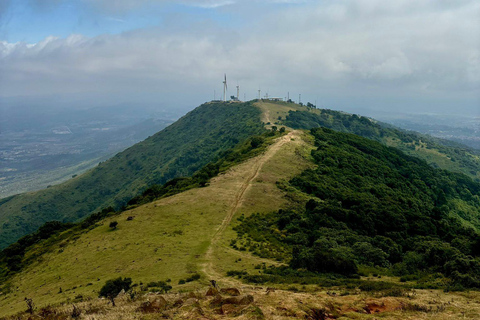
(167, 238)
(179, 150)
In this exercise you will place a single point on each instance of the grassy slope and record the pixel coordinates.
(150, 248)
(178, 150)
(98, 260)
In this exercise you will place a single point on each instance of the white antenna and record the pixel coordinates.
(225, 88)
(259, 94)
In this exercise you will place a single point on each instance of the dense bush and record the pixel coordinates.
(463, 158)
(112, 288)
(371, 205)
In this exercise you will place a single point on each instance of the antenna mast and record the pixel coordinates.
(238, 91)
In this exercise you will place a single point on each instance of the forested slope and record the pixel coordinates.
(438, 153)
(372, 205)
(179, 150)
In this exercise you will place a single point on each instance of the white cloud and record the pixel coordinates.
(378, 48)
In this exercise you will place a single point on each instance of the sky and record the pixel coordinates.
(391, 56)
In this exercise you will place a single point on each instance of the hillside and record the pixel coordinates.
(371, 205)
(172, 238)
(437, 152)
(179, 150)
(169, 241)
(196, 139)
(262, 221)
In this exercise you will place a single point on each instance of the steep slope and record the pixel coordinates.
(170, 238)
(375, 206)
(179, 150)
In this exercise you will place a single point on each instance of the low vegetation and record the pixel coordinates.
(18, 255)
(437, 152)
(179, 150)
(371, 205)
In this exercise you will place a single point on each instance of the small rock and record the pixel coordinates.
(190, 302)
(179, 302)
(230, 308)
(239, 300)
(156, 305)
(230, 291)
(216, 301)
(211, 292)
(192, 294)
(121, 293)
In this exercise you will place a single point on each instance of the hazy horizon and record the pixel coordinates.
(402, 56)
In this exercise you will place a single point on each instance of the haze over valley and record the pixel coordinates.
(43, 147)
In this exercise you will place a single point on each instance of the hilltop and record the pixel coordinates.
(249, 225)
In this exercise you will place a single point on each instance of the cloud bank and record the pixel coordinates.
(415, 55)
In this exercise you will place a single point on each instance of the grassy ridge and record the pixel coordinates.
(179, 150)
(166, 239)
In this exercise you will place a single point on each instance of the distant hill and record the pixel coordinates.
(178, 150)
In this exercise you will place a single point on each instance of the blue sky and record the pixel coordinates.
(402, 55)
(23, 20)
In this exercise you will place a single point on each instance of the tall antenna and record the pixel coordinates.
(288, 95)
(299, 98)
(225, 88)
(259, 91)
(238, 91)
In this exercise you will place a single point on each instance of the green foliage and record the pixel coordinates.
(371, 205)
(12, 259)
(193, 277)
(113, 287)
(179, 150)
(12, 256)
(162, 286)
(437, 152)
(242, 151)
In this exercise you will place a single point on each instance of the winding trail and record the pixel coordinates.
(258, 162)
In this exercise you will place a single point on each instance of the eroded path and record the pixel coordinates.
(255, 167)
